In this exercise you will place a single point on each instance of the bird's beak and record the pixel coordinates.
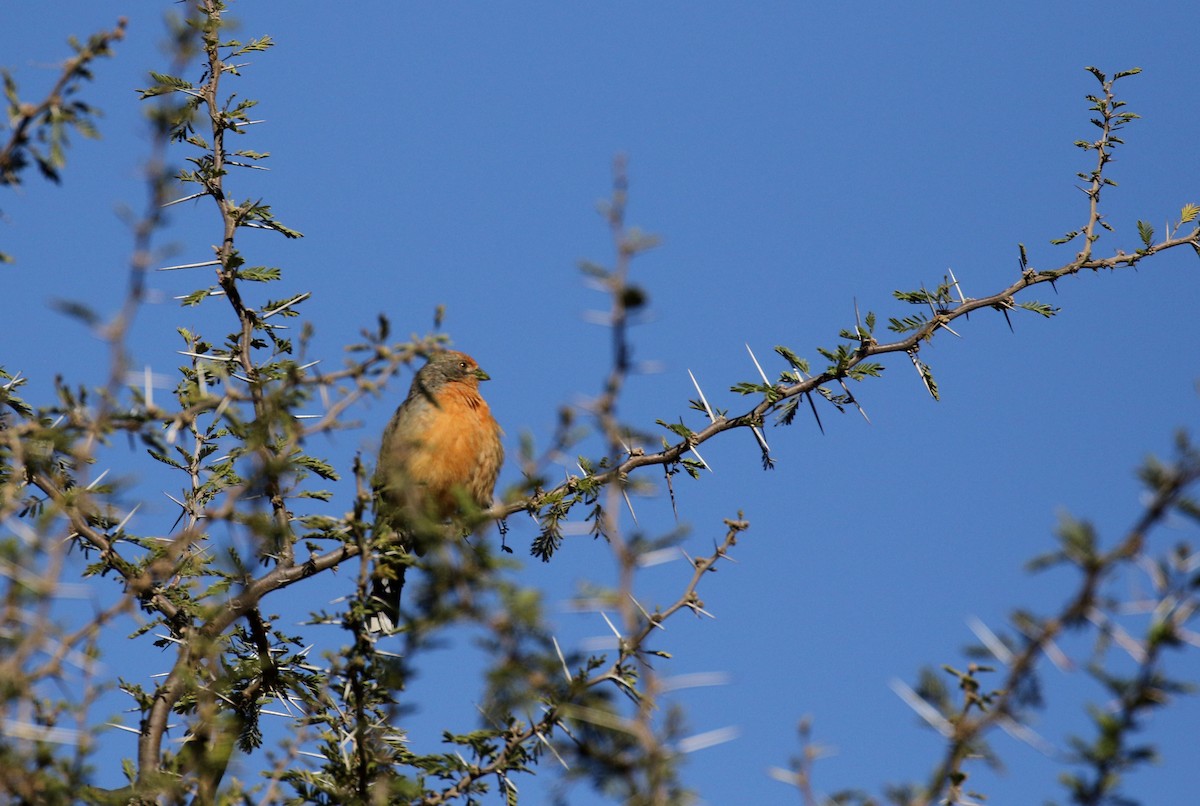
(481, 375)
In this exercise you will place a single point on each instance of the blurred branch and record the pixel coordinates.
(53, 111)
(1169, 488)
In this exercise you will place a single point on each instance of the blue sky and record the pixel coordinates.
(794, 157)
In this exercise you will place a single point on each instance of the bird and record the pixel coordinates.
(439, 457)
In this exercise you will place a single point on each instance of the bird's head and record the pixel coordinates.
(451, 366)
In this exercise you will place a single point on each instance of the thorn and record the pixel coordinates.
(649, 619)
(205, 356)
(812, 404)
(762, 441)
(854, 400)
(990, 640)
(701, 458)
(917, 365)
(612, 627)
(1119, 636)
(857, 318)
(670, 490)
(708, 410)
(962, 298)
(945, 326)
(97, 480)
(122, 524)
(190, 265)
(1027, 735)
(928, 301)
(923, 708)
(758, 365)
(707, 739)
(139, 733)
(212, 292)
(767, 462)
(293, 301)
(558, 649)
(629, 504)
(1006, 319)
(185, 198)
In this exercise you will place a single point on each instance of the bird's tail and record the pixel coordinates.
(385, 596)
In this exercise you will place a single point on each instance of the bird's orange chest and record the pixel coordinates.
(458, 435)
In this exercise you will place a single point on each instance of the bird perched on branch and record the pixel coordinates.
(439, 459)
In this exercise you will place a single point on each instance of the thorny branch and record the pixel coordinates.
(52, 110)
(781, 393)
(198, 641)
(1082, 606)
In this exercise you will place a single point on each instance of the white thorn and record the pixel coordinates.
(703, 399)
(190, 265)
(990, 640)
(604, 616)
(293, 301)
(562, 658)
(760, 369)
(961, 297)
(185, 198)
(629, 504)
(762, 441)
(923, 708)
(97, 480)
(708, 739)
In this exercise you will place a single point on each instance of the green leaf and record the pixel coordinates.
(865, 369)
(320, 495)
(676, 428)
(746, 388)
(77, 310)
(166, 460)
(1188, 213)
(259, 274)
(594, 269)
(1145, 232)
(164, 84)
(927, 376)
(793, 359)
(194, 298)
(908, 323)
(253, 46)
(636, 241)
(1039, 308)
(318, 466)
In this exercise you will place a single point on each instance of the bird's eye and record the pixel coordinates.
(462, 364)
